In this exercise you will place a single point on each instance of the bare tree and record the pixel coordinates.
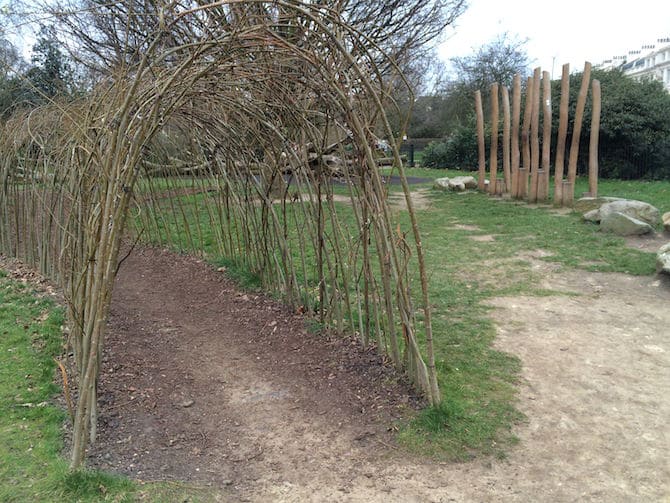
(404, 30)
(107, 34)
(498, 61)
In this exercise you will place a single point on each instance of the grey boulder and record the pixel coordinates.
(441, 183)
(663, 259)
(468, 182)
(624, 225)
(456, 184)
(592, 216)
(634, 209)
(586, 204)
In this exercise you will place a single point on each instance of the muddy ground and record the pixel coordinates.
(212, 385)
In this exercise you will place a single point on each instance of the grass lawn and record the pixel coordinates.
(33, 467)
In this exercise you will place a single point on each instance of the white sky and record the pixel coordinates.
(562, 31)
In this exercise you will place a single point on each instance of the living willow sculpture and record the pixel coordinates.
(234, 97)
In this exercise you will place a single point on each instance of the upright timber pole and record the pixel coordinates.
(562, 135)
(493, 157)
(593, 142)
(525, 141)
(534, 136)
(543, 180)
(516, 115)
(481, 142)
(506, 136)
(577, 127)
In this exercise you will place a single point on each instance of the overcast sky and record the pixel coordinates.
(565, 31)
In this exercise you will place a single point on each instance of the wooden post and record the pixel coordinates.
(522, 183)
(542, 184)
(543, 192)
(493, 155)
(535, 136)
(516, 114)
(562, 134)
(577, 126)
(481, 142)
(525, 140)
(568, 192)
(507, 175)
(593, 141)
(500, 187)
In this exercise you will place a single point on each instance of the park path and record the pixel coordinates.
(212, 385)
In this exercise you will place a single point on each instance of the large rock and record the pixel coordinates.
(456, 184)
(586, 204)
(624, 225)
(634, 209)
(592, 216)
(441, 183)
(468, 182)
(666, 221)
(663, 259)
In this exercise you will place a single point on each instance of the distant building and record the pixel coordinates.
(651, 62)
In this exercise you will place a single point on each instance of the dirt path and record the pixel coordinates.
(204, 383)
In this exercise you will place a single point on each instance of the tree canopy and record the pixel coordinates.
(451, 106)
(49, 74)
(498, 61)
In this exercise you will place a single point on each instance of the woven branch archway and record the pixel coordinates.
(233, 98)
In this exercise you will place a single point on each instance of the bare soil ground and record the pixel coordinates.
(420, 199)
(205, 383)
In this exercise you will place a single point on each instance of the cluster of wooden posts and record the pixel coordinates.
(526, 168)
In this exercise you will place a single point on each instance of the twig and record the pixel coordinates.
(66, 389)
(132, 247)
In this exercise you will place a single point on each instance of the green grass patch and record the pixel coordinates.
(242, 276)
(32, 462)
(656, 193)
(478, 382)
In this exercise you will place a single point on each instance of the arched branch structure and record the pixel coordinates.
(221, 135)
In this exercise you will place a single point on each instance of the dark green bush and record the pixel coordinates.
(435, 155)
(458, 151)
(462, 149)
(634, 126)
